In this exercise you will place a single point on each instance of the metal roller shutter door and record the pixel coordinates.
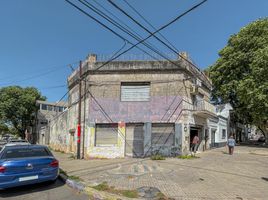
(163, 134)
(134, 140)
(106, 135)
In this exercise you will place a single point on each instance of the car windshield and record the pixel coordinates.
(25, 152)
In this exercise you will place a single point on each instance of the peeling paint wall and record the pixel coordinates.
(59, 135)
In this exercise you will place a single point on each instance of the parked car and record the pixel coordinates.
(17, 141)
(26, 164)
(2, 143)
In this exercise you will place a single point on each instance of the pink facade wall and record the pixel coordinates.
(158, 109)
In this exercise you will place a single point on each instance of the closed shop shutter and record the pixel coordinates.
(134, 140)
(163, 134)
(106, 134)
(135, 91)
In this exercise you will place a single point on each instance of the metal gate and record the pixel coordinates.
(134, 140)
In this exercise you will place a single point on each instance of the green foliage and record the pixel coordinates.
(3, 128)
(157, 157)
(63, 172)
(75, 178)
(130, 193)
(240, 75)
(18, 107)
(101, 187)
(105, 187)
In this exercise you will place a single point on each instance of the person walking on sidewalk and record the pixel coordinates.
(231, 144)
(195, 144)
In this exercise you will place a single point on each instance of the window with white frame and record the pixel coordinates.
(135, 91)
(106, 134)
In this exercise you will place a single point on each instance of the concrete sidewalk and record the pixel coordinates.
(215, 175)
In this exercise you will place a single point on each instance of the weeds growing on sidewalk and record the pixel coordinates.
(188, 157)
(105, 187)
(75, 178)
(161, 196)
(157, 157)
(63, 172)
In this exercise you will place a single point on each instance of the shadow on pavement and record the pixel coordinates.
(253, 144)
(22, 190)
(264, 178)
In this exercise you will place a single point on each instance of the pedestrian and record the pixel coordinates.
(195, 144)
(231, 144)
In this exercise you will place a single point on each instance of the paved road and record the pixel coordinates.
(214, 176)
(43, 191)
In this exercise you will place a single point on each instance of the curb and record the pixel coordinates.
(79, 187)
(92, 193)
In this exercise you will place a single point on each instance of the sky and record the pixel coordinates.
(40, 39)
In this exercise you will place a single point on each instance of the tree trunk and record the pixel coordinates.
(264, 131)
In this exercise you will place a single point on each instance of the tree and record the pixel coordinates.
(240, 75)
(18, 107)
(3, 128)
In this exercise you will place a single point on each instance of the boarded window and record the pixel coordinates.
(135, 91)
(163, 134)
(106, 134)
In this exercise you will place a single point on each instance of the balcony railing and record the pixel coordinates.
(203, 105)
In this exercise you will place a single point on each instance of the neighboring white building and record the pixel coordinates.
(219, 127)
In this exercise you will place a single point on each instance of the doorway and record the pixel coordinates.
(194, 131)
(213, 133)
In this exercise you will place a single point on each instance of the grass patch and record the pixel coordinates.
(161, 196)
(187, 157)
(106, 188)
(63, 172)
(75, 178)
(157, 157)
(102, 187)
(129, 193)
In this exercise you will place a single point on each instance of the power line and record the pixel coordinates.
(105, 26)
(150, 24)
(135, 45)
(36, 76)
(143, 27)
(163, 27)
(61, 66)
(86, 81)
(122, 22)
(109, 19)
(52, 87)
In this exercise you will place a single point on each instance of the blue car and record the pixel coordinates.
(26, 164)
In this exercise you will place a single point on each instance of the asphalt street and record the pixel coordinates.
(42, 191)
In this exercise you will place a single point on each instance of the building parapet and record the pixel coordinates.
(91, 66)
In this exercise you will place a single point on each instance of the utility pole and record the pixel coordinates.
(79, 112)
(84, 120)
